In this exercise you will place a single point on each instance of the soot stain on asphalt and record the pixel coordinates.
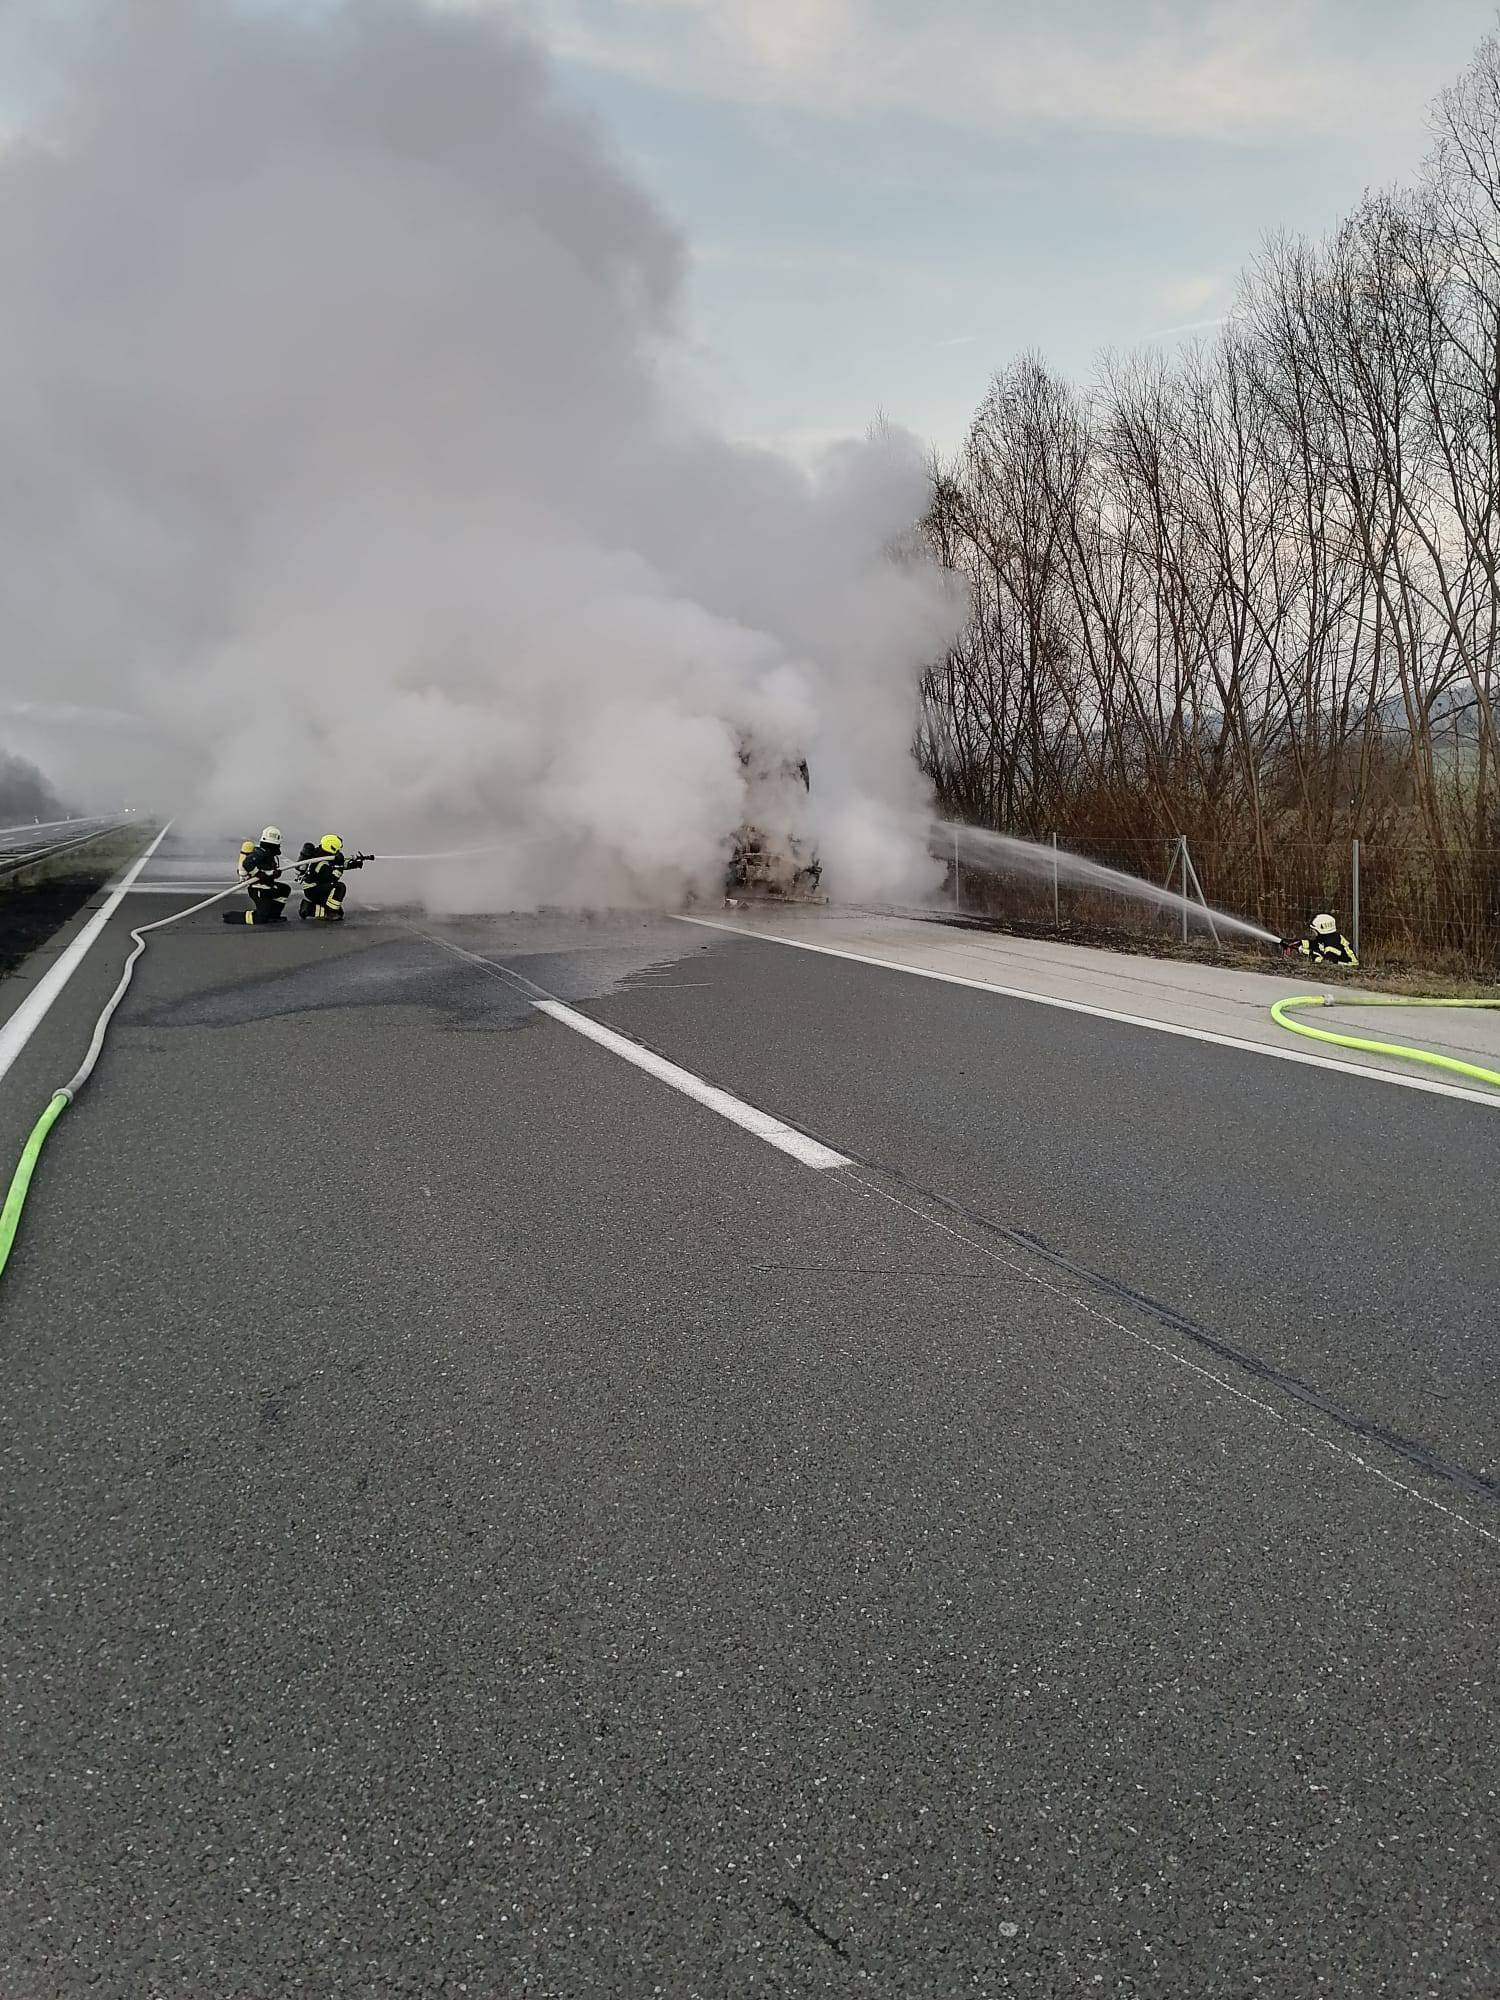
(469, 997)
(386, 975)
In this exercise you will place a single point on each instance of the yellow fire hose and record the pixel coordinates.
(1281, 1015)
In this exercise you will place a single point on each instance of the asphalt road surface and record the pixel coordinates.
(480, 1522)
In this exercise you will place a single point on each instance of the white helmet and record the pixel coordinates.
(1324, 925)
(271, 837)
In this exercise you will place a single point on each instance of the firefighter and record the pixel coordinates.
(1325, 944)
(322, 868)
(260, 871)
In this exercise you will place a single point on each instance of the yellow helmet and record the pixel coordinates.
(330, 843)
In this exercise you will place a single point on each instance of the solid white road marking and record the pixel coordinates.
(180, 888)
(786, 1138)
(1431, 1085)
(28, 1017)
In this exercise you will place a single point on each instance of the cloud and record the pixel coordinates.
(1189, 326)
(1189, 295)
(793, 262)
(1185, 300)
(808, 445)
(1176, 68)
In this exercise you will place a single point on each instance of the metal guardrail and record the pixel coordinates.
(12, 862)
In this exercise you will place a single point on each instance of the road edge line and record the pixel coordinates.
(18, 1030)
(1432, 1087)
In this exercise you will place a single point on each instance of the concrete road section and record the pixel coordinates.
(1174, 997)
(483, 1520)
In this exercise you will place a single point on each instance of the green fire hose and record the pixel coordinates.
(15, 1200)
(1281, 1015)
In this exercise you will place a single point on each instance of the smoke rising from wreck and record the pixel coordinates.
(350, 481)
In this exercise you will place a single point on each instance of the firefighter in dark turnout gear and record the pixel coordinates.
(260, 871)
(322, 868)
(1325, 944)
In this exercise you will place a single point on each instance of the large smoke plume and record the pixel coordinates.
(347, 481)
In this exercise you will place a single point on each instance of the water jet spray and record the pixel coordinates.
(1009, 854)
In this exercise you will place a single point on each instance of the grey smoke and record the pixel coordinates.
(346, 455)
(25, 793)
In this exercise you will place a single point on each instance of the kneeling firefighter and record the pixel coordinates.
(260, 871)
(322, 869)
(1325, 944)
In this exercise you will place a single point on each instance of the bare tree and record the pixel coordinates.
(1254, 594)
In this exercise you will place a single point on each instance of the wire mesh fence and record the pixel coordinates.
(1408, 903)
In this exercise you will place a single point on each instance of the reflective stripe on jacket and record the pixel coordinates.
(1328, 950)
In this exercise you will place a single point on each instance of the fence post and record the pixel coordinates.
(1182, 850)
(1056, 916)
(957, 899)
(1189, 868)
(1354, 913)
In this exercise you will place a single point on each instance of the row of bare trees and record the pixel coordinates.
(1253, 594)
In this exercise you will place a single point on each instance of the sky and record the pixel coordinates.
(885, 200)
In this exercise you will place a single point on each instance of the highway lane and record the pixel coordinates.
(1337, 1229)
(30, 846)
(27, 833)
(474, 1513)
